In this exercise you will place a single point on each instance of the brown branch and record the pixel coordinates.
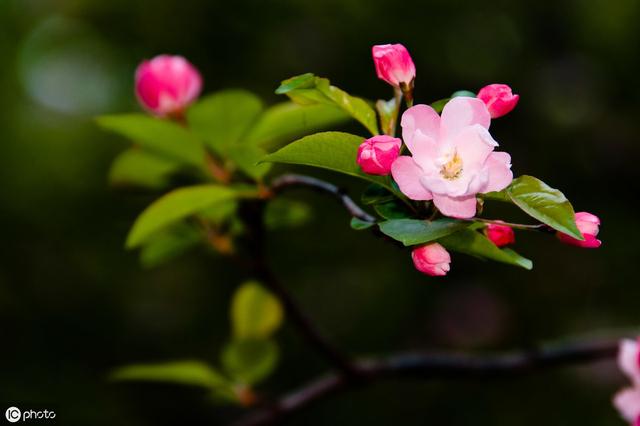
(292, 180)
(253, 215)
(433, 366)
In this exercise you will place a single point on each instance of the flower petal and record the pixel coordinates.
(629, 359)
(422, 118)
(458, 207)
(407, 174)
(474, 144)
(500, 174)
(627, 401)
(462, 112)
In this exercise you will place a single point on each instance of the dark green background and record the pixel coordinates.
(74, 304)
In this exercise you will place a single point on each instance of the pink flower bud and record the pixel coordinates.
(377, 154)
(500, 235)
(166, 85)
(629, 359)
(588, 225)
(394, 64)
(498, 98)
(431, 259)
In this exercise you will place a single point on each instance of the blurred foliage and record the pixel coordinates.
(75, 305)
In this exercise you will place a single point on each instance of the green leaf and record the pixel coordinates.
(193, 373)
(360, 225)
(466, 93)
(388, 112)
(474, 243)
(285, 213)
(135, 167)
(307, 89)
(223, 118)
(247, 157)
(284, 122)
(250, 361)
(158, 136)
(544, 203)
(169, 244)
(413, 231)
(255, 312)
(439, 104)
(394, 209)
(335, 151)
(496, 196)
(376, 194)
(174, 206)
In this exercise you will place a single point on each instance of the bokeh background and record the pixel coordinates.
(74, 303)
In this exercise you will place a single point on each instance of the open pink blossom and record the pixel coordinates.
(166, 85)
(453, 156)
(394, 64)
(498, 98)
(431, 259)
(589, 225)
(376, 154)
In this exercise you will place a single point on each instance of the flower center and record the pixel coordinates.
(453, 168)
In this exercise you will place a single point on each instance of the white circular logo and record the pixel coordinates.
(13, 414)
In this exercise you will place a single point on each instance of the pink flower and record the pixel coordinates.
(629, 359)
(498, 98)
(394, 64)
(589, 226)
(627, 401)
(166, 85)
(431, 259)
(453, 158)
(376, 154)
(500, 235)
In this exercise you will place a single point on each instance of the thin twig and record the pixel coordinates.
(526, 227)
(434, 366)
(292, 180)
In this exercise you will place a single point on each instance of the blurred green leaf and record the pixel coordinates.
(544, 203)
(359, 224)
(413, 231)
(335, 151)
(223, 118)
(247, 157)
(285, 213)
(158, 136)
(250, 361)
(135, 167)
(439, 104)
(307, 89)
(169, 244)
(194, 373)
(174, 206)
(287, 121)
(255, 312)
(466, 93)
(394, 209)
(474, 243)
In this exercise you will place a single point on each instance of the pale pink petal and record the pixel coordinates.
(407, 174)
(500, 174)
(462, 112)
(627, 401)
(629, 359)
(473, 144)
(419, 117)
(458, 207)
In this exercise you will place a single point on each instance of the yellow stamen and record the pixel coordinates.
(453, 168)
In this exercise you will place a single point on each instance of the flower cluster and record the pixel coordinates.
(453, 156)
(627, 401)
